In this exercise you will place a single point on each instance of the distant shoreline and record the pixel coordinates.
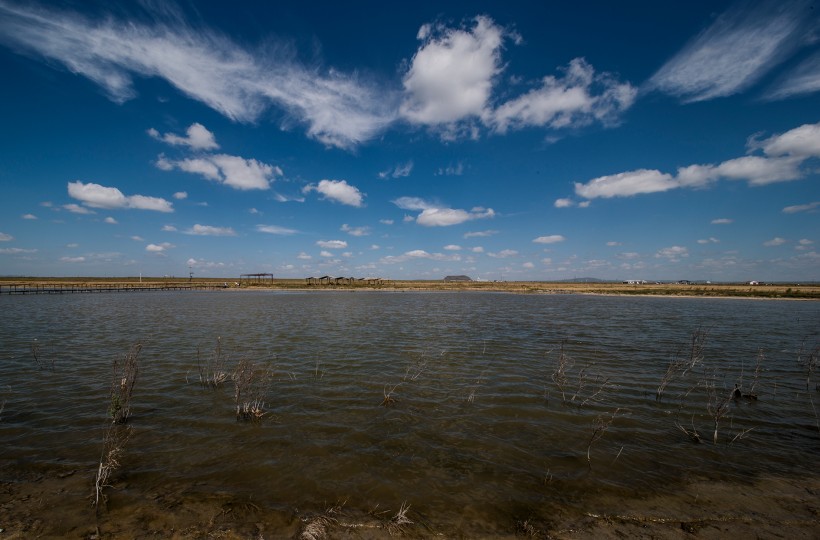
(767, 291)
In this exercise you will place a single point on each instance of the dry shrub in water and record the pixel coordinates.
(36, 354)
(122, 385)
(316, 528)
(400, 520)
(576, 388)
(212, 368)
(599, 427)
(681, 364)
(251, 383)
(114, 442)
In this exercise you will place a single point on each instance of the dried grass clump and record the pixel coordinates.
(576, 387)
(316, 528)
(681, 364)
(122, 385)
(398, 522)
(388, 396)
(599, 426)
(212, 371)
(36, 354)
(251, 383)
(114, 442)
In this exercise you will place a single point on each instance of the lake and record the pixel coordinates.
(487, 414)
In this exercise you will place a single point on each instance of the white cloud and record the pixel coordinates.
(275, 229)
(110, 220)
(673, 254)
(325, 254)
(169, 228)
(197, 138)
(563, 203)
(419, 254)
(613, 243)
(626, 184)
(239, 82)
(16, 251)
(810, 207)
(158, 248)
(451, 75)
(436, 215)
(759, 171)
(551, 239)
(337, 190)
(386, 221)
(477, 249)
(355, 231)
(803, 79)
(480, 234)
(503, 254)
(399, 171)
(208, 230)
(452, 247)
(451, 170)
(802, 141)
(710, 240)
(136, 238)
(77, 209)
(97, 196)
(776, 241)
(72, 259)
(578, 98)
(528, 265)
(5, 237)
(739, 48)
(234, 171)
(28, 216)
(203, 264)
(722, 221)
(180, 195)
(304, 256)
(332, 244)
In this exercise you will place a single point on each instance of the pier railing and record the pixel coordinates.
(66, 288)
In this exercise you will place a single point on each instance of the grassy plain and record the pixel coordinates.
(803, 291)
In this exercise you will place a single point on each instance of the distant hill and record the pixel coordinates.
(583, 280)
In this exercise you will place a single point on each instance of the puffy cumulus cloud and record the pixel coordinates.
(578, 98)
(159, 248)
(325, 254)
(419, 254)
(386, 221)
(240, 82)
(110, 220)
(626, 184)
(72, 260)
(776, 241)
(304, 256)
(550, 239)
(355, 231)
(802, 141)
(233, 171)
(736, 51)
(169, 228)
(810, 207)
(452, 247)
(784, 154)
(672, 254)
(528, 265)
(451, 75)
(28, 216)
(399, 171)
(275, 229)
(205, 265)
(4, 237)
(710, 240)
(197, 137)
(97, 196)
(337, 190)
(332, 244)
(181, 195)
(563, 203)
(208, 230)
(436, 215)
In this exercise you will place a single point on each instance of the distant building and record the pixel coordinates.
(754, 283)
(458, 278)
(635, 282)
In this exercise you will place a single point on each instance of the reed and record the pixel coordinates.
(251, 382)
(212, 372)
(681, 364)
(576, 387)
(398, 522)
(123, 379)
(599, 427)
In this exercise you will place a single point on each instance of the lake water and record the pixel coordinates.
(476, 436)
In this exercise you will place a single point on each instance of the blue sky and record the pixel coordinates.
(514, 140)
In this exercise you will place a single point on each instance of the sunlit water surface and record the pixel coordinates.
(478, 430)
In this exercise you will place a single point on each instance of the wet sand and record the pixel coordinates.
(56, 503)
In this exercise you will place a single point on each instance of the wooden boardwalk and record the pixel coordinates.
(69, 288)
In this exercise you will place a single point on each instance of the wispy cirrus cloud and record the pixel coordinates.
(810, 207)
(399, 171)
(738, 49)
(418, 254)
(209, 230)
(97, 196)
(238, 81)
(276, 229)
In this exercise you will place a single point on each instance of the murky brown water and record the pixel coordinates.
(477, 439)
